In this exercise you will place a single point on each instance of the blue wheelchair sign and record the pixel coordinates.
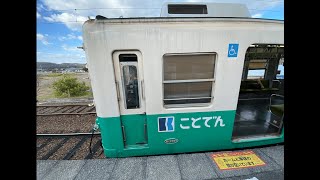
(233, 50)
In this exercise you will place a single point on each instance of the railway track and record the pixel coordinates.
(69, 147)
(66, 109)
(63, 137)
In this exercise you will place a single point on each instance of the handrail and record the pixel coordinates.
(275, 80)
(278, 95)
(118, 90)
(281, 118)
(142, 89)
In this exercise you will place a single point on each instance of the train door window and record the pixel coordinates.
(188, 79)
(129, 73)
(130, 84)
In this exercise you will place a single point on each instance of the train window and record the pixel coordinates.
(256, 74)
(258, 64)
(280, 71)
(188, 78)
(257, 69)
(187, 9)
(130, 82)
(128, 58)
(280, 74)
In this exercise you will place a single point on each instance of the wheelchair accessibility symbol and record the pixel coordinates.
(233, 50)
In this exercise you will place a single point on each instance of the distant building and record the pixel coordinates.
(73, 70)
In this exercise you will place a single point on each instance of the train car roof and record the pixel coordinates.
(101, 19)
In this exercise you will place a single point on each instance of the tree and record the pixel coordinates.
(85, 69)
(69, 87)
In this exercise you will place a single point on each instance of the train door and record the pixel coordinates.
(129, 83)
(260, 108)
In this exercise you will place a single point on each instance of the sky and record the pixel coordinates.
(59, 22)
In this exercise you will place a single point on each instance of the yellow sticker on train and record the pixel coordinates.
(236, 160)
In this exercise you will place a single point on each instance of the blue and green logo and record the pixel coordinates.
(165, 124)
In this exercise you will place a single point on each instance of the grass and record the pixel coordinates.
(45, 97)
(54, 75)
(57, 74)
(51, 96)
(46, 91)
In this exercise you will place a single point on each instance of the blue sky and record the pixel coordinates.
(59, 22)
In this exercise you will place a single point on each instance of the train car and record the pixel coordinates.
(202, 77)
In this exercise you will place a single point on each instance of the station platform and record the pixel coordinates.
(165, 167)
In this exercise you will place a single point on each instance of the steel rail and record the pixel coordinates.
(54, 114)
(70, 134)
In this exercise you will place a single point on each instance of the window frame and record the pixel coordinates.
(212, 80)
(118, 81)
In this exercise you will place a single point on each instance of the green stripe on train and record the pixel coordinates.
(200, 131)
